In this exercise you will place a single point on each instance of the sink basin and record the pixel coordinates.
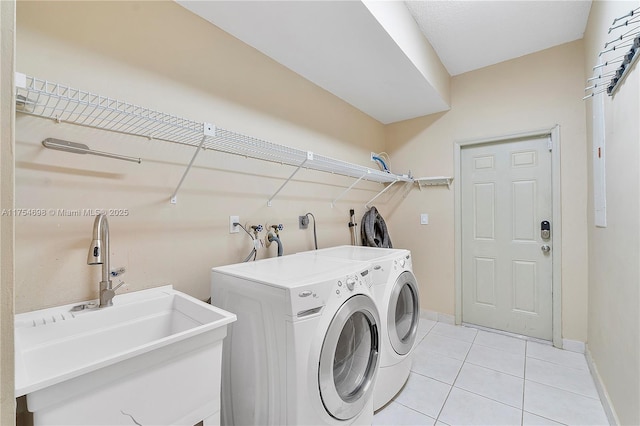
(152, 357)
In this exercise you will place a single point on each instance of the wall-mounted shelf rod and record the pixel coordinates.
(367, 205)
(309, 157)
(80, 148)
(333, 203)
(174, 198)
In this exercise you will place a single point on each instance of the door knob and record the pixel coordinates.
(545, 248)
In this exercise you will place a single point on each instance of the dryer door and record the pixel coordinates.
(404, 313)
(349, 358)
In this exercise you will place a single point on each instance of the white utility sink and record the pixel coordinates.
(154, 357)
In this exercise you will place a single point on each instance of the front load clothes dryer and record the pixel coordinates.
(305, 347)
(397, 298)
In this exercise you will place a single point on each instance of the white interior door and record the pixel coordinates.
(506, 258)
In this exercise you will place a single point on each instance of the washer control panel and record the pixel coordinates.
(352, 283)
(307, 300)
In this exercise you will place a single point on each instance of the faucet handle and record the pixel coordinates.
(118, 286)
(115, 272)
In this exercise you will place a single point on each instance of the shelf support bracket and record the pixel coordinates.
(209, 130)
(309, 157)
(381, 192)
(333, 203)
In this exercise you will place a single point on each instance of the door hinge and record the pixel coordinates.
(550, 144)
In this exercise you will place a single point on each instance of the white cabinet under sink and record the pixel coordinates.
(154, 358)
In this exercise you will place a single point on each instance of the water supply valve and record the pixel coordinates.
(256, 229)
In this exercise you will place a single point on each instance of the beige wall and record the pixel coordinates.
(7, 119)
(159, 55)
(529, 93)
(614, 251)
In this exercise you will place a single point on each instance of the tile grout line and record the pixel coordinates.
(467, 390)
(538, 415)
(496, 348)
(533, 381)
(455, 379)
(521, 337)
(414, 372)
(489, 398)
(412, 409)
(564, 390)
(497, 371)
(465, 360)
(432, 378)
(557, 363)
(557, 387)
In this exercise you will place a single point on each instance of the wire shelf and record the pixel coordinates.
(434, 181)
(62, 103)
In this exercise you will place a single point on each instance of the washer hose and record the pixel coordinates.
(374, 231)
(273, 238)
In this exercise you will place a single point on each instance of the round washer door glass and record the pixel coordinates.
(349, 358)
(404, 313)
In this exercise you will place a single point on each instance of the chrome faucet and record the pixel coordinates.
(99, 255)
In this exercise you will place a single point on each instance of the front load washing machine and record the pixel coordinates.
(398, 301)
(305, 347)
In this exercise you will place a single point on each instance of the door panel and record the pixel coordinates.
(484, 201)
(524, 286)
(485, 281)
(506, 277)
(523, 210)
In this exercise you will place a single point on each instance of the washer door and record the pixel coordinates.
(349, 358)
(404, 313)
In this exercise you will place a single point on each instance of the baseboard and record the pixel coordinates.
(437, 316)
(602, 390)
(573, 346)
(430, 315)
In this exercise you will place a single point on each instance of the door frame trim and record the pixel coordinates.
(556, 290)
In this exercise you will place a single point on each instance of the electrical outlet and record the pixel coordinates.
(234, 229)
(303, 222)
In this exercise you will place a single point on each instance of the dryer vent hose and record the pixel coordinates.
(374, 231)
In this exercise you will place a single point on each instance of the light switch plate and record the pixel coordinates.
(424, 219)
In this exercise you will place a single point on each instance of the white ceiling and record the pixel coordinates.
(342, 47)
(468, 35)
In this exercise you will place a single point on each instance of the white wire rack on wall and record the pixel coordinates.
(617, 57)
(434, 181)
(65, 104)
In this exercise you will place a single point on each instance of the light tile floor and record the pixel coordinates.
(464, 376)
